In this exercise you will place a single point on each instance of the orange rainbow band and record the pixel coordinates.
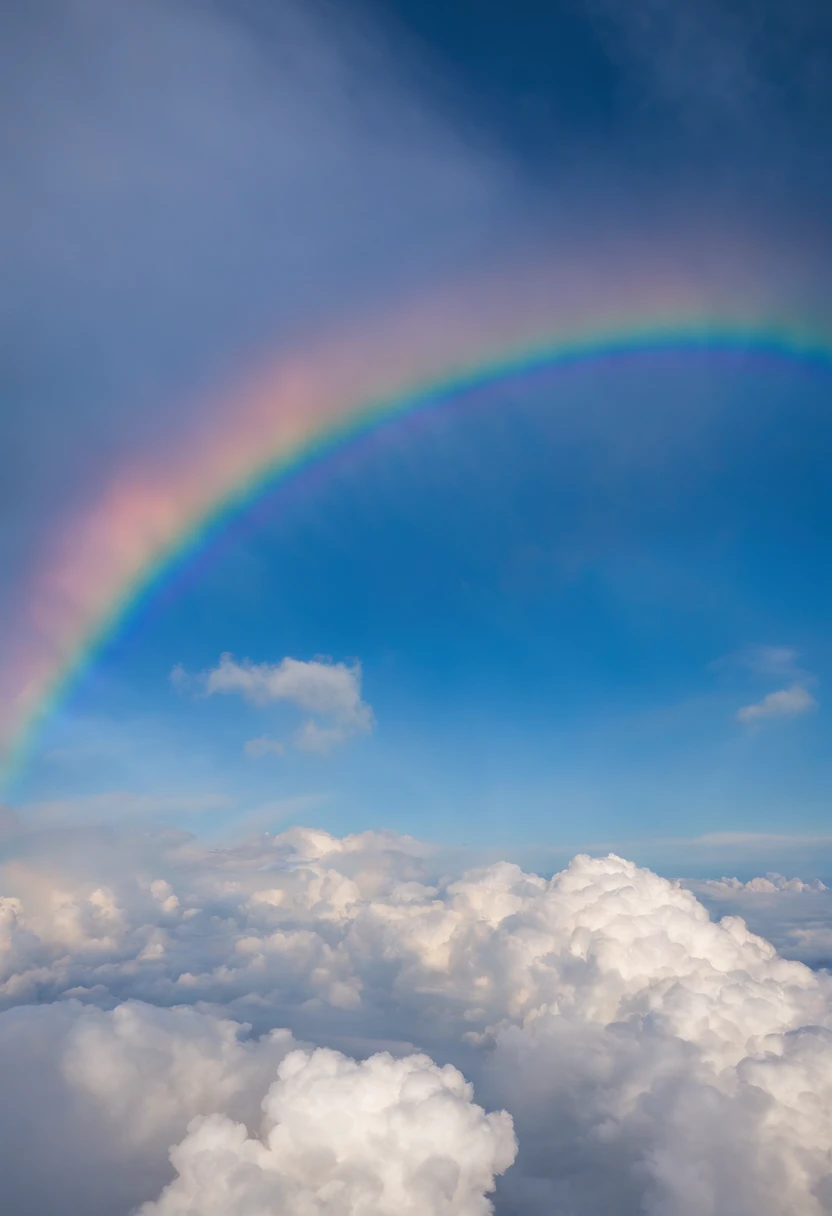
(149, 522)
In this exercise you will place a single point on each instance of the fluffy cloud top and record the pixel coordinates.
(653, 1059)
(382, 1137)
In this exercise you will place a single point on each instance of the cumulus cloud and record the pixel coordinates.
(109, 1091)
(652, 1057)
(328, 690)
(382, 1137)
(785, 702)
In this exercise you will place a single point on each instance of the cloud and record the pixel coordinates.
(313, 738)
(652, 1058)
(109, 1091)
(768, 885)
(322, 687)
(264, 746)
(772, 661)
(771, 841)
(383, 1136)
(794, 913)
(777, 662)
(328, 690)
(180, 679)
(785, 702)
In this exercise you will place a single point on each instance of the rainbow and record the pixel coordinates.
(120, 549)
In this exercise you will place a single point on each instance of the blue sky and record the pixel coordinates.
(258, 908)
(561, 594)
(557, 594)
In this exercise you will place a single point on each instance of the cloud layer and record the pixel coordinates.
(652, 1059)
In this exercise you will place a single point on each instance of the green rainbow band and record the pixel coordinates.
(357, 419)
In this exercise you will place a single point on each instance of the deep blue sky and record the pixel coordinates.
(561, 591)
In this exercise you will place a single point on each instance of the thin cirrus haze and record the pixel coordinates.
(414, 608)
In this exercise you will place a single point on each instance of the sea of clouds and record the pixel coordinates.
(328, 1027)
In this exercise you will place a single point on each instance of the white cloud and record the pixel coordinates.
(383, 1137)
(320, 687)
(328, 690)
(653, 1059)
(785, 702)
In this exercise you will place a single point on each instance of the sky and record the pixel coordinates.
(558, 596)
(415, 767)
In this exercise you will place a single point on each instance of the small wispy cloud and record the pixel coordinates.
(326, 690)
(117, 806)
(778, 662)
(774, 663)
(264, 746)
(788, 702)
